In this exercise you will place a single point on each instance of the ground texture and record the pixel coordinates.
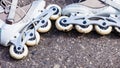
(68, 50)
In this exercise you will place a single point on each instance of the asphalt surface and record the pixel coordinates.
(68, 50)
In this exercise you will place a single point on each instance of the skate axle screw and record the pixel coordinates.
(54, 9)
(75, 14)
(14, 36)
(78, 12)
(41, 10)
(43, 21)
(84, 22)
(37, 21)
(31, 34)
(19, 48)
(64, 20)
(104, 24)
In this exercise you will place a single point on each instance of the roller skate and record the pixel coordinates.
(25, 32)
(103, 14)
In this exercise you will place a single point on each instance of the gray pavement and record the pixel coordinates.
(68, 50)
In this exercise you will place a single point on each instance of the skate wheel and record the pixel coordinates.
(102, 30)
(33, 41)
(117, 29)
(57, 14)
(18, 55)
(63, 27)
(84, 29)
(45, 28)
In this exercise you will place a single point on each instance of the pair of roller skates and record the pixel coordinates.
(25, 32)
(83, 16)
(103, 14)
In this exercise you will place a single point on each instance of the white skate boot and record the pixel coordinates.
(25, 32)
(84, 15)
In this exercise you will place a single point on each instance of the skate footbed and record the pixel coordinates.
(20, 13)
(93, 4)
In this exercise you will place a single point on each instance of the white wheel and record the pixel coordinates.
(34, 41)
(57, 14)
(45, 28)
(117, 29)
(84, 29)
(63, 27)
(102, 30)
(18, 55)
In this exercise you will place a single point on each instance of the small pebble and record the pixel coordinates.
(56, 66)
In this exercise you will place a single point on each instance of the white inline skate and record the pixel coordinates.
(25, 32)
(103, 14)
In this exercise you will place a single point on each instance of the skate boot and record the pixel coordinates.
(25, 32)
(103, 14)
